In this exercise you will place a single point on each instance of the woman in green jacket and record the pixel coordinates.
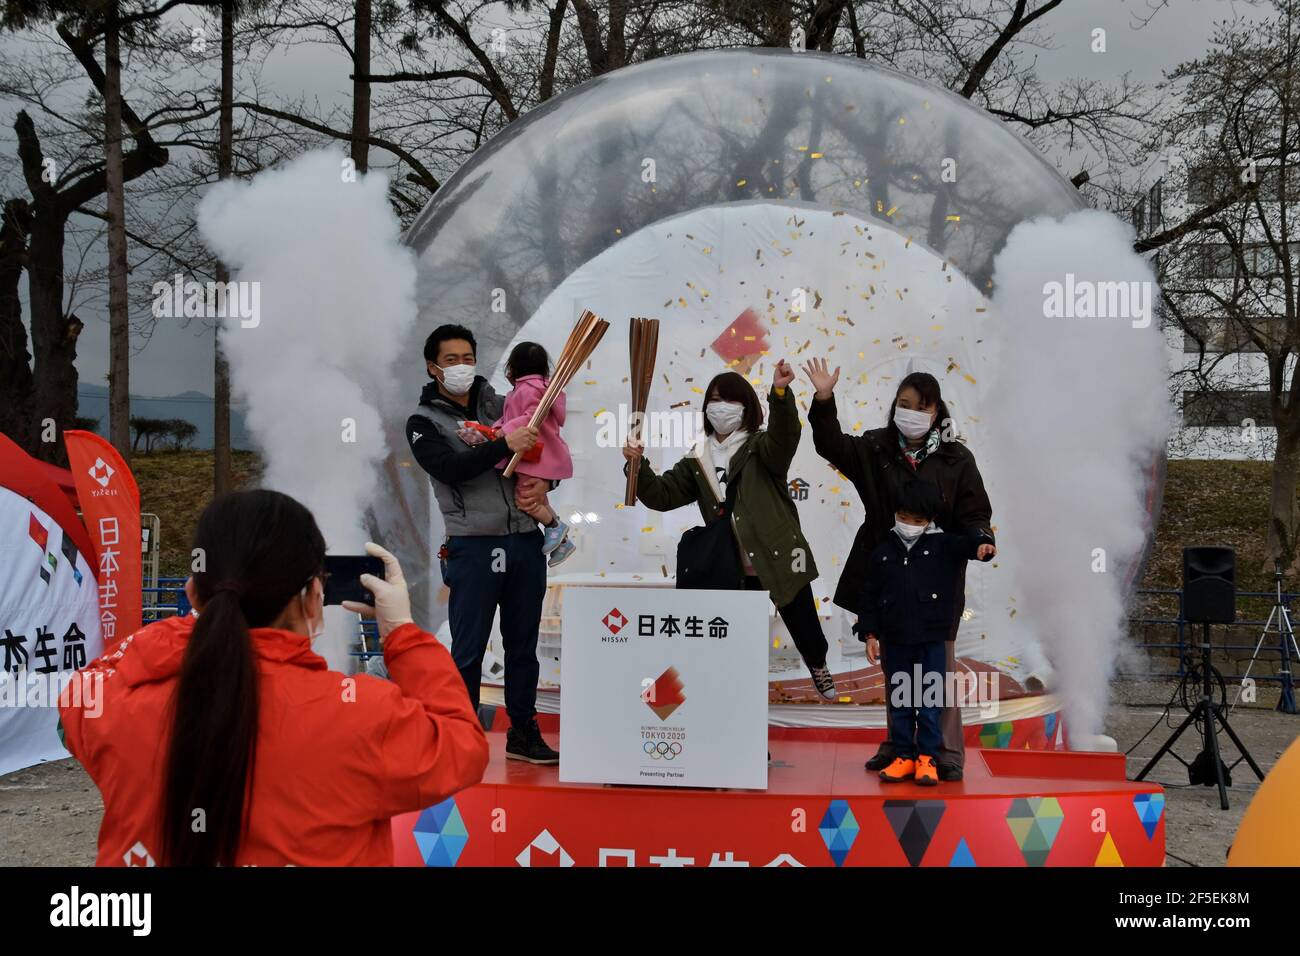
(773, 551)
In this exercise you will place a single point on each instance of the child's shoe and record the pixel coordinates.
(553, 536)
(927, 774)
(901, 769)
(561, 553)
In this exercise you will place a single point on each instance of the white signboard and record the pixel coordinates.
(664, 687)
(49, 628)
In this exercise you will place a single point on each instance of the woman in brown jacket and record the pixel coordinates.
(917, 441)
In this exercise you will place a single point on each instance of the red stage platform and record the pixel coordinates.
(1014, 808)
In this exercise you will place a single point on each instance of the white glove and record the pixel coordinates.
(392, 602)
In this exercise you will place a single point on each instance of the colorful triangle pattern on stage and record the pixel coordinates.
(1150, 807)
(839, 828)
(914, 823)
(441, 834)
(1035, 822)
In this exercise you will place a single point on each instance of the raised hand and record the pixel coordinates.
(823, 381)
(632, 449)
(784, 374)
(392, 602)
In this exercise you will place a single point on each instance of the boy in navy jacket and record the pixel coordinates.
(907, 606)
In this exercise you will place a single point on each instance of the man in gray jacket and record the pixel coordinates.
(492, 557)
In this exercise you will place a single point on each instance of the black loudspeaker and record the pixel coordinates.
(1209, 585)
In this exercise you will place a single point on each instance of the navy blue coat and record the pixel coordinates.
(909, 596)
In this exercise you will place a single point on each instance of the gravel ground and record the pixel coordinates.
(49, 815)
(1197, 832)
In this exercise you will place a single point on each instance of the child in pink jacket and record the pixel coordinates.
(528, 369)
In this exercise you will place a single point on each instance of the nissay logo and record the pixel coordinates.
(101, 471)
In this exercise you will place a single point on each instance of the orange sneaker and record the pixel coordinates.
(927, 774)
(901, 769)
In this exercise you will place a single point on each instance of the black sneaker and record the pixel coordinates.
(823, 681)
(526, 743)
(949, 772)
(880, 761)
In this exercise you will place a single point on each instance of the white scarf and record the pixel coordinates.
(710, 451)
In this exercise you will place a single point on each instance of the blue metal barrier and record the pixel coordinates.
(1275, 645)
(169, 600)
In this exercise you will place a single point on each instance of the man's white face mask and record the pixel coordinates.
(457, 379)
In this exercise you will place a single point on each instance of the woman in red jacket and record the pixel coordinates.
(223, 739)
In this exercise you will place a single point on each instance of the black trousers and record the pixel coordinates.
(800, 616)
(478, 587)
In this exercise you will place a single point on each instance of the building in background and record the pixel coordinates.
(1221, 300)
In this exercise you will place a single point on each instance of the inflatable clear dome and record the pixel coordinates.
(761, 204)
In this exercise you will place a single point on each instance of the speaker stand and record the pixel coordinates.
(1207, 712)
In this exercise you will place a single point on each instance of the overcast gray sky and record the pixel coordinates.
(179, 359)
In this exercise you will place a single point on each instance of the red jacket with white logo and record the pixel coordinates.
(336, 756)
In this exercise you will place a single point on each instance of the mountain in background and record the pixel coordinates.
(194, 407)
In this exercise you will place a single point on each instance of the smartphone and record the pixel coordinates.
(343, 581)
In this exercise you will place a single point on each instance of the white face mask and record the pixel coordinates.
(457, 379)
(315, 628)
(724, 416)
(909, 532)
(911, 423)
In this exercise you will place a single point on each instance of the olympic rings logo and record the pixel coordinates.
(661, 749)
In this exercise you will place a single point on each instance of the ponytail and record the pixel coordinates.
(261, 548)
(214, 731)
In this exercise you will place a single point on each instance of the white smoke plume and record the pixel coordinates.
(1081, 411)
(337, 299)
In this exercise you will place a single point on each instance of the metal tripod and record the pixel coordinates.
(1287, 644)
(1206, 711)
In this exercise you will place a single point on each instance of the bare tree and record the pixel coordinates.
(222, 465)
(1228, 264)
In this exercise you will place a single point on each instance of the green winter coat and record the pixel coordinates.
(766, 519)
